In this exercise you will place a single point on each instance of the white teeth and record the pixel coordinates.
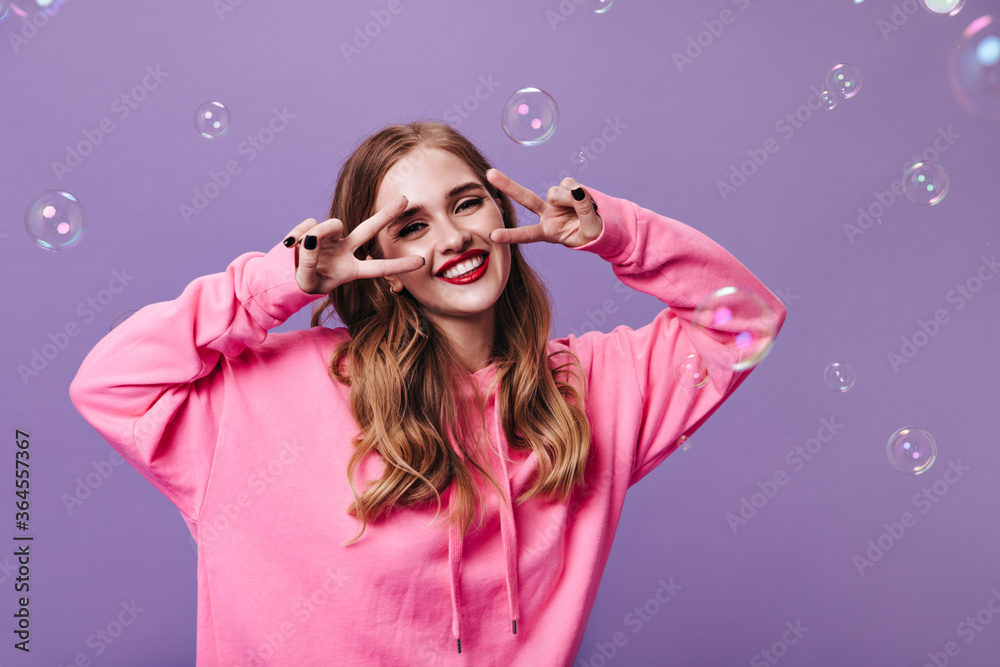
(465, 267)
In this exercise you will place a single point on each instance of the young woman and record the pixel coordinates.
(311, 465)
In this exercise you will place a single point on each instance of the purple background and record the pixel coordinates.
(683, 131)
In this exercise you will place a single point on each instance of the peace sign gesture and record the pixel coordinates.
(563, 218)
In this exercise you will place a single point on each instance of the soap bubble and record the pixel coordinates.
(839, 377)
(845, 80)
(738, 319)
(912, 450)
(29, 10)
(684, 442)
(691, 372)
(925, 183)
(828, 100)
(974, 67)
(212, 119)
(55, 220)
(947, 7)
(530, 116)
(600, 6)
(122, 317)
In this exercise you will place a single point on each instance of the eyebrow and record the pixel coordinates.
(454, 192)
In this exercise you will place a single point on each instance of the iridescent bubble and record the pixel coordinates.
(530, 116)
(122, 317)
(974, 67)
(839, 377)
(738, 319)
(853, 2)
(600, 6)
(945, 7)
(4, 10)
(844, 80)
(212, 119)
(925, 183)
(55, 220)
(828, 100)
(30, 9)
(691, 372)
(912, 450)
(685, 442)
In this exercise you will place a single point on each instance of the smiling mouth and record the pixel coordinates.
(470, 263)
(465, 267)
(468, 271)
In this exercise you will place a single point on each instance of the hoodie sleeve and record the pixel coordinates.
(632, 382)
(154, 386)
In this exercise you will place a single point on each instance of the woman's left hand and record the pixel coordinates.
(562, 219)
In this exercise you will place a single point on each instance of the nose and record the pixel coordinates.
(453, 236)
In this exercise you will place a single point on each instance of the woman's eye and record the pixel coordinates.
(472, 202)
(461, 207)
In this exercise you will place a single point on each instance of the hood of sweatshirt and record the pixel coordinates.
(508, 530)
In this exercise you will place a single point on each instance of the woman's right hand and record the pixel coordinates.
(332, 262)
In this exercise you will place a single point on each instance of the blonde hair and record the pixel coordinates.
(405, 379)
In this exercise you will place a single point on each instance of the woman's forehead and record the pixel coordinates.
(429, 172)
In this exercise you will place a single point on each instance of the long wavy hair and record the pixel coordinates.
(407, 385)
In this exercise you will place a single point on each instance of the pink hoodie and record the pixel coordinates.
(248, 435)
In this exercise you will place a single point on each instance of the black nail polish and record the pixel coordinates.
(310, 243)
(289, 242)
(578, 194)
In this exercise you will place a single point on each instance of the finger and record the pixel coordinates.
(583, 202)
(299, 230)
(332, 228)
(380, 268)
(528, 234)
(516, 191)
(373, 225)
(565, 195)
